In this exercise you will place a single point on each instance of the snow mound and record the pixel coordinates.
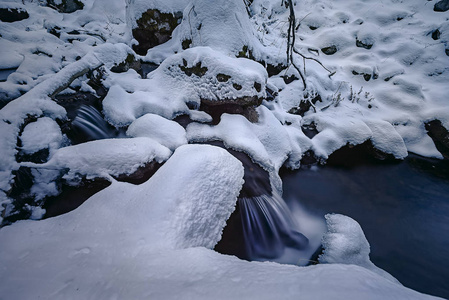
(106, 157)
(182, 82)
(42, 134)
(206, 74)
(345, 243)
(166, 132)
(224, 26)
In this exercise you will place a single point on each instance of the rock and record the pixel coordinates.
(13, 14)
(66, 6)
(441, 6)
(217, 83)
(130, 63)
(436, 35)
(363, 45)
(329, 50)
(439, 135)
(304, 105)
(366, 76)
(155, 28)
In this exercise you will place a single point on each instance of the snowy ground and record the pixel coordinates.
(389, 71)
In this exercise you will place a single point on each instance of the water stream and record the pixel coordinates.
(403, 209)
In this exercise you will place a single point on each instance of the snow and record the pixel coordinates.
(102, 158)
(44, 133)
(345, 243)
(155, 248)
(154, 240)
(166, 132)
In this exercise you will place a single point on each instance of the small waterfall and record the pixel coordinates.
(89, 125)
(269, 227)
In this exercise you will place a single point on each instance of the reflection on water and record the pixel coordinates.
(403, 209)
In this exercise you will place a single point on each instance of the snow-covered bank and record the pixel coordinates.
(126, 243)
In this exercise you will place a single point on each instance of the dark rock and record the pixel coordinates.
(38, 157)
(155, 28)
(360, 44)
(289, 79)
(309, 158)
(329, 50)
(66, 6)
(441, 6)
(215, 110)
(436, 34)
(13, 14)
(223, 77)
(350, 156)
(72, 197)
(366, 76)
(439, 135)
(309, 130)
(142, 174)
(304, 105)
(130, 63)
(274, 70)
(197, 69)
(186, 44)
(447, 51)
(237, 86)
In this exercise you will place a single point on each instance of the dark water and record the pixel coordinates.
(403, 209)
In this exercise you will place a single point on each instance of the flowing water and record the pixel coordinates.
(403, 209)
(89, 125)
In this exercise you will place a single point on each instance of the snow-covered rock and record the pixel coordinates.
(103, 158)
(345, 243)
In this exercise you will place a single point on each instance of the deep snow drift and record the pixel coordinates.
(373, 72)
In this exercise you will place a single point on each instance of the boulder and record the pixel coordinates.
(154, 28)
(441, 6)
(13, 14)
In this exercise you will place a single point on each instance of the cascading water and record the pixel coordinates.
(263, 227)
(90, 125)
(269, 227)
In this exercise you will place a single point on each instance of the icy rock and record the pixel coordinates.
(345, 243)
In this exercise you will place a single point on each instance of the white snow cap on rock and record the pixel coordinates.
(106, 157)
(345, 243)
(166, 132)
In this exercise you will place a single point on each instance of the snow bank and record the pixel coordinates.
(345, 243)
(148, 241)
